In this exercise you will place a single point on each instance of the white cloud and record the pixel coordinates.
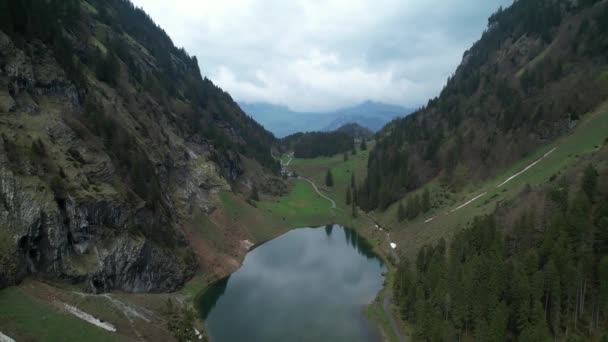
(324, 54)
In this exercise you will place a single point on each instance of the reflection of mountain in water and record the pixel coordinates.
(209, 299)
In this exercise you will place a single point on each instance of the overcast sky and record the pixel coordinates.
(325, 54)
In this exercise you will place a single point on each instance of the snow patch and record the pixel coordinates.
(469, 202)
(527, 168)
(88, 318)
(198, 334)
(393, 245)
(4, 338)
(247, 244)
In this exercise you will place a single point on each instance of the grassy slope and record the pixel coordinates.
(588, 136)
(24, 317)
(316, 169)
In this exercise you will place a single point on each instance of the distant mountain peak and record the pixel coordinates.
(282, 121)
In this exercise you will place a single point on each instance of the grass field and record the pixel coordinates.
(300, 208)
(24, 317)
(316, 169)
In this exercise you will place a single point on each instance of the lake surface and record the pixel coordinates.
(307, 285)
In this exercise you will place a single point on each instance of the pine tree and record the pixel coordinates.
(348, 196)
(401, 212)
(108, 68)
(352, 180)
(254, 196)
(6, 20)
(363, 146)
(345, 156)
(589, 184)
(329, 178)
(354, 209)
(426, 201)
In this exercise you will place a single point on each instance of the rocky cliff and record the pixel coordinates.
(109, 138)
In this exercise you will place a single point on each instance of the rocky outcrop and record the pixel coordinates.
(66, 211)
(89, 240)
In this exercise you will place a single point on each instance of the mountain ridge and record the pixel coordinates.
(282, 121)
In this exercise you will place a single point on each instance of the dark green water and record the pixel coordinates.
(307, 285)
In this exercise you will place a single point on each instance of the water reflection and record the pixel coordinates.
(212, 295)
(328, 229)
(307, 285)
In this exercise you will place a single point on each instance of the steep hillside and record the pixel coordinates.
(534, 269)
(110, 141)
(538, 67)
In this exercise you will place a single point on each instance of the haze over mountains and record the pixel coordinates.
(282, 121)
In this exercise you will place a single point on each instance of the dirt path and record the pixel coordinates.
(388, 296)
(499, 185)
(333, 203)
(387, 303)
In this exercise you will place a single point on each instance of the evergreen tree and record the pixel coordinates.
(329, 178)
(348, 196)
(363, 146)
(354, 210)
(589, 183)
(345, 156)
(426, 201)
(401, 212)
(352, 180)
(6, 19)
(254, 196)
(108, 68)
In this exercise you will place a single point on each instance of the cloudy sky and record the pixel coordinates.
(325, 54)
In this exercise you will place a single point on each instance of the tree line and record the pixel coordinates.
(541, 280)
(318, 144)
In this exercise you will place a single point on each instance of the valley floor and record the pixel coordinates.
(38, 309)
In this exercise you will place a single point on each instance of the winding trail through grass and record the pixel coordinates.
(333, 203)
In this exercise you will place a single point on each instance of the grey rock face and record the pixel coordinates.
(96, 231)
(82, 240)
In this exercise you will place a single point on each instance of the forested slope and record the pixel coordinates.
(538, 67)
(534, 270)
